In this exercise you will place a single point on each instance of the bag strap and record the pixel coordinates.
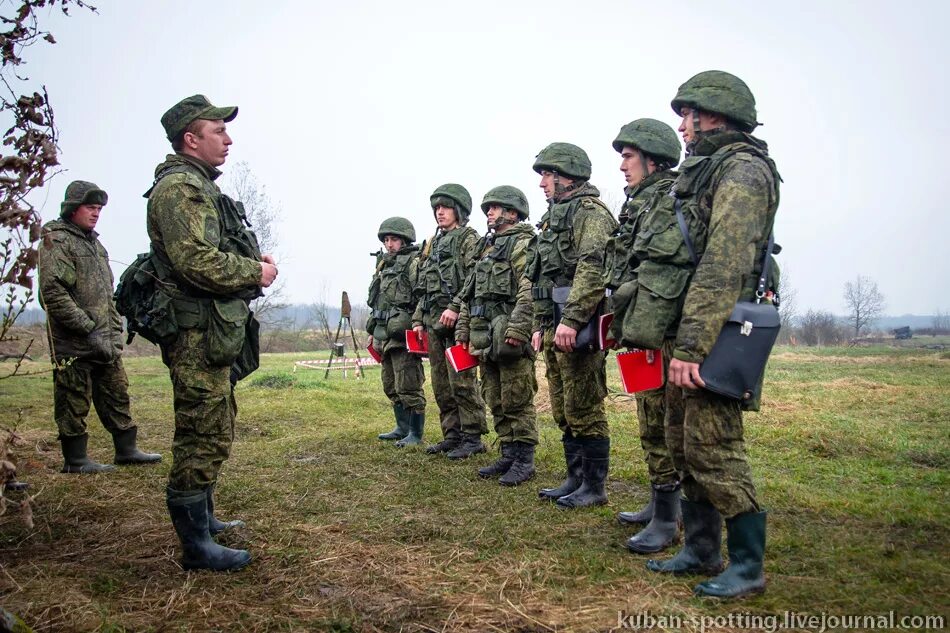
(766, 264)
(677, 206)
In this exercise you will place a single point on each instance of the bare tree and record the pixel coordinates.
(941, 323)
(817, 327)
(787, 310)
(865, 303)
(264, 216)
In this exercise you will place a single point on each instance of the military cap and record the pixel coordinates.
(721, 93)
(564, 158)
(455, 196)
(80, 192)
(180, 115)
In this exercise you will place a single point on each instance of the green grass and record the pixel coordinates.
(850, 455)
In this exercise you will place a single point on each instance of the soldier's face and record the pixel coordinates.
(632, 166)
(707, 122)
(86, 216)
(549, 180)
(445, 217)
(392, 243)
(210, 143)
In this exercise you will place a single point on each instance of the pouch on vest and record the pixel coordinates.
(736, 363)
(147, 309)
(479, 335)
(249, 359)
(655, 306)
(620, 303)
(380, 335)
(588, 337)
(399, 321)
(226, 331)
(501, 351)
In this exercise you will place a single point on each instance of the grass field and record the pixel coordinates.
(851, 455)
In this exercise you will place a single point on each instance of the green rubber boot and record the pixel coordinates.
(402, 425)
(189, 513)
(417, 423)
(700, 553)
(745, 538)
(75, 459)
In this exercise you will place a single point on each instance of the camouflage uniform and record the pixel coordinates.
(446, 262)
(728, 190)
(393, 295)
(496, 306)
(85, 334)
(570, 252)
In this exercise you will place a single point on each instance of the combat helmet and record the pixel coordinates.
(455, 196)
(565, 159)
(78, 193)
(721, 93)
(400, 227)
(653, 138)
(508, 197)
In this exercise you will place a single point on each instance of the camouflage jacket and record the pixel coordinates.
(569, 251)
(186, 233)
(393, 295)
(497, 283)
(446, 262)
(737, 203)
(76, 292)
(620, 263)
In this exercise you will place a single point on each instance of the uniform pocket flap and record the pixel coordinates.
(666, 282)
(233, 311)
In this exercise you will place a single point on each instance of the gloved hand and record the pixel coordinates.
(102, 346)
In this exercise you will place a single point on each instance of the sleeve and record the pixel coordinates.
(189, 223)
(57, 278)
(593, 226)
(521, 321)
(738, 222)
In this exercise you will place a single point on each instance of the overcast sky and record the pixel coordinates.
(351, 112)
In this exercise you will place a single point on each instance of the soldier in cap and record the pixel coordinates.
(446, 261)
(393, 295)
(495, 324)
(85, 333)
(569, 259)
(649, 149)
(211, 267)
(727, 194)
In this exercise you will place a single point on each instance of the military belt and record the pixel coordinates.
(382, 315)
(538, 292)
(191, 313)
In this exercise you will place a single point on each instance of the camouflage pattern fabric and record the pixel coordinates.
(508, 390)
(403, 379)
(577, 383)
(80, 383)
(652, 414)
(461, 408)
(76, 292)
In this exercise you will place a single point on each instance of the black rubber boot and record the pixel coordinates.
(189, 513)
(471, 445)
(700, 554)
(641, 517)
(574, 459)
(416, 423)
(596, 464)
(661, 532)
(215, 526)
(402, 425)
(75, 459)
(447, 445)
(127, 453)
(523, 467)
(502, 464)
(745, 538)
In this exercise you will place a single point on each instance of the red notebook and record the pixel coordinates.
(641, 369)
(604, 331)
(460, 359)
(414, 345)
(372, 352)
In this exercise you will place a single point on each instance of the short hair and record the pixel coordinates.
(178, 143)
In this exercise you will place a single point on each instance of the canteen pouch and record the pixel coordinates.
(655, 306)
(736, 364)
(226, 331)
(479, 335)
(501, 351)
(397, 324)
(588, 336)
(249, 359)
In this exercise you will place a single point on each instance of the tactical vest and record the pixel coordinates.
(441, 268)
(619, 262)
(648, 309)
(391, 293)
(496, 280)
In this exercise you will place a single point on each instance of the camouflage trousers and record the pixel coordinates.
(205, 411)
(83, 383)
(403, 378)
(651, 412)
(704, 435)
(577, 382)
(461, 408)
(508, 389)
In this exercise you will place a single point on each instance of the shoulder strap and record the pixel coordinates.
(677, 206)
(766, 264)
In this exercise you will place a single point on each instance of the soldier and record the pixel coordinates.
(85, 333)
(727, 194)
(446, 262)
(649, 149)
(495, 324)
(211, 267)
(569, 257)
(392, 299)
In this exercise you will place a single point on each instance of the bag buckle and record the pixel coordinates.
(746, 328)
